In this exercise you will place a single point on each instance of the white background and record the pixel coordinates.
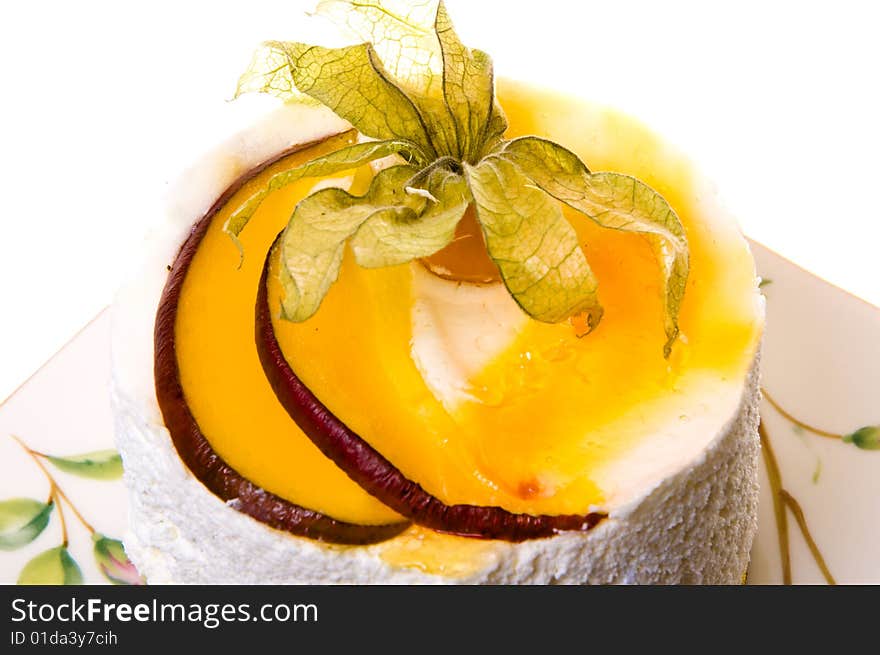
(104, 102)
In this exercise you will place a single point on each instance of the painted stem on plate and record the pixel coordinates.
(782, 502)
(806, 426)
(56, 492)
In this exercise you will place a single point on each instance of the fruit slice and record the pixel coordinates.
(366, 466)
(225, 423)
(440, 399)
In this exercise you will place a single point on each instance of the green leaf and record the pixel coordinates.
(402, 33)
(866, 438)
(353, 83)
(413, 84)
(113, 562)
(345, 159)
(21, 521)
(270, 72)
(468, 87)
(52, 567)
(615, 201)
(313, 243)
(439, 124)
(495, 130)
(451, 85)
(390, 238)
(817, 471)
(535, 248)
(410, 79)
(98, 465)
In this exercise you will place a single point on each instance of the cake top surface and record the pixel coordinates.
(415, 92)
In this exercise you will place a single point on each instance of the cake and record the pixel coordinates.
(389, 398)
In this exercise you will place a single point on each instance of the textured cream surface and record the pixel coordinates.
(695, 527)
(692, 522)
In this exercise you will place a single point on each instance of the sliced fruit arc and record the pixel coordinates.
(193, 386)
(480, 406)
(372, 471)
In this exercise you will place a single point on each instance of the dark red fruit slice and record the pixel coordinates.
(191, 444)
(379, 477)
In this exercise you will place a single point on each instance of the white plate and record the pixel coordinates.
(821, 364)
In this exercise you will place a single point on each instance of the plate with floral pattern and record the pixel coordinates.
(63, 501)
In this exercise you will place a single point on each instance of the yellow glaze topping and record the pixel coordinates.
(220, 371)
(551, 409)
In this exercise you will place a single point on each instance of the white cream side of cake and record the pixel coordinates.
(690, 519)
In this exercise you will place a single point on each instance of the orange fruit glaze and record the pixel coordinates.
(538, 426)
(220, 371)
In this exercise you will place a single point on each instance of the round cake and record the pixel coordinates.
(336, 368)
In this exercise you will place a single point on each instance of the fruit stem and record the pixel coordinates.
(797, 422)
(56, 491)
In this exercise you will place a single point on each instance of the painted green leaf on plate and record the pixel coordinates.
(21, 521)
(113, 562)
(98, 465)
(51, 567)
(866, 438)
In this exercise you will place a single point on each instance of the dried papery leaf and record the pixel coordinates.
(495, 130)
(616, 201)
(402, 33)
(468, 87)
(339, 161)
(534, 247)
(270, 72)
(426, 96)
(392, 238)
(353, 83)
(313, 243)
